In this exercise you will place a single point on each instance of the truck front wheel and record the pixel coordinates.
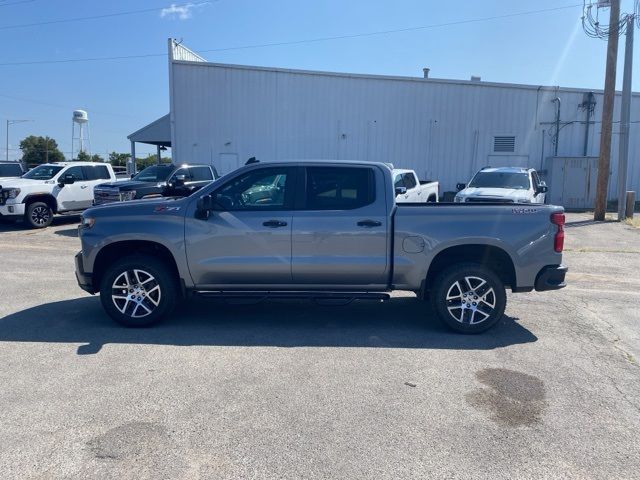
(138, 291)
(38, 215)
(469, 298)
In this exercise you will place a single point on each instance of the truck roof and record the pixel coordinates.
(66, 164)
(506, 169)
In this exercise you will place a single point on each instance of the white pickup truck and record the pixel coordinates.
(52, 188)
(503, 185)
(411, 190)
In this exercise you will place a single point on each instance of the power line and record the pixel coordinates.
(66, 107)
(16, 3)
(298, 42)
(106, 15)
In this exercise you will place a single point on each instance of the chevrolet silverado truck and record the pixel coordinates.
(503, 185)
(156, 181)
(52, 188)
(411, 190)
(330, 230)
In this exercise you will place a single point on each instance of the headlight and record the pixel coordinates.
(13, 192)
(130, 195)
(458, 199)
(87, 222)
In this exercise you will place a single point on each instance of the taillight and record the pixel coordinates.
(558, 241)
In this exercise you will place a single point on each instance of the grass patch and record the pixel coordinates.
(633, 222)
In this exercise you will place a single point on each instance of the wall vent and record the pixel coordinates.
(504, 144)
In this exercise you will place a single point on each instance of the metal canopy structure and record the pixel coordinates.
(157, 133)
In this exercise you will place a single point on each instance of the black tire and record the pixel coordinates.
(481, 310)
(38, 215)
(157, 295)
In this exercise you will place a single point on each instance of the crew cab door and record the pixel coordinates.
(339, 234)
(246, 241)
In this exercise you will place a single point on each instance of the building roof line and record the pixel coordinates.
(444, 81)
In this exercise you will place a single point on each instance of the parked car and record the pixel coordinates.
(10, 170)
(503, 185)
(52, 188)
(415, 191)
(334, 231)
(156, 181)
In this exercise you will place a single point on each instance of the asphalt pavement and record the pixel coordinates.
(295, 390)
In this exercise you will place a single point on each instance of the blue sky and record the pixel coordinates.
(123, 95)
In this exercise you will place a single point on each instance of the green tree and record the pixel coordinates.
(119, 159)
(150, 160)
(83, 156)
(96, 158)
(38, 150)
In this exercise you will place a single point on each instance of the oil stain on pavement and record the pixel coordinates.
(510, 398)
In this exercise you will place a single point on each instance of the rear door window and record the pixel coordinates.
(97, 172)
(339, 188)
(200, 174)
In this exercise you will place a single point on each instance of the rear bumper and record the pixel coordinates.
(551, 277)
(85, 280)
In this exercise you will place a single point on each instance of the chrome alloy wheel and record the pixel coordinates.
(40, 215)
(136, 293)
(471, 300)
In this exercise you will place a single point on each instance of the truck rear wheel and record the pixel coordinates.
(469, 298)
(138, 291)
(38, 215)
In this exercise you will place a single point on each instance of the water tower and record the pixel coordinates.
(80, 133)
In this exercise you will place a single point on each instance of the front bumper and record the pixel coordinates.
(551, 277)
(12, 210)
(85, 280)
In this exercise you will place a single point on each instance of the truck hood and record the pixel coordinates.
(148, 205)
(25, 183)
(512, 193)
(125, 184)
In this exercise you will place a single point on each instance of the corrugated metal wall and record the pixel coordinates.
(442, 129)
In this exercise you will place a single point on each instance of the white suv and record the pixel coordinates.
(503, 185)
(65, 187)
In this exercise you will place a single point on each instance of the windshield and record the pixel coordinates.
(154, 173)
(43, 172)
(519, 181)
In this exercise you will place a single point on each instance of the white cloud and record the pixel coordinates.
(182, 12)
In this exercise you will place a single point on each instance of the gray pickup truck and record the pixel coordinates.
(320, 230)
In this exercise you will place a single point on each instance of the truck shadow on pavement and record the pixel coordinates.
(399, 323)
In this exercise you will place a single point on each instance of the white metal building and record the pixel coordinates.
(444, 129)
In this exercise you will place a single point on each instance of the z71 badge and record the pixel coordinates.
(165, 209)
(524, 210)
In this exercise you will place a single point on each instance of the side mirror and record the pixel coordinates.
(132, 175)
(461, 186)
(178, 180)
(204, 206)
(542, 188)
(401, 190)
(66, 180)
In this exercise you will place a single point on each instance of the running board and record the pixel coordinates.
(293, 294)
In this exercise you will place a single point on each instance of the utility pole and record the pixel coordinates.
(607, 113)
(625, 113)
(11, 122)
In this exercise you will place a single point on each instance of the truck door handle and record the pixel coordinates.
(274, 223)
(369, 223)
